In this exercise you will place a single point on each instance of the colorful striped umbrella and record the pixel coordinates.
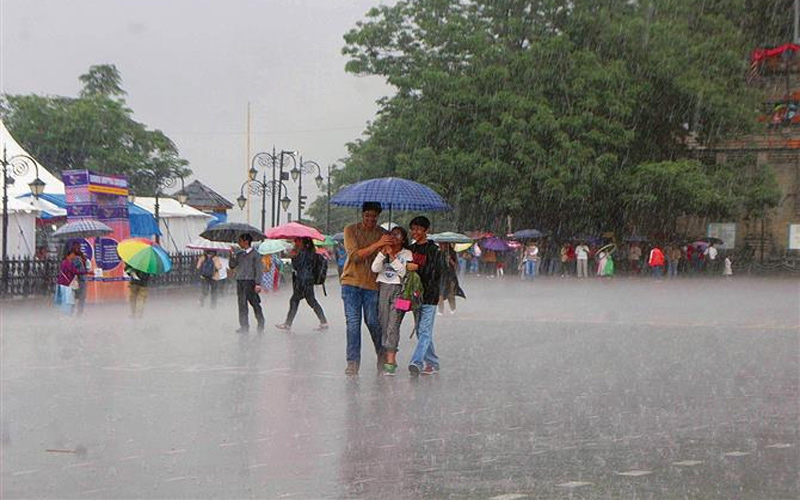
(144, 255)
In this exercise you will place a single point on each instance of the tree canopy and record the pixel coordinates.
(568, 116)
(95, 130)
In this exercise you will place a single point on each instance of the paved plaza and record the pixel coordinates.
(554, 389)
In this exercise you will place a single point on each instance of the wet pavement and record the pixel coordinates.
(552, 389)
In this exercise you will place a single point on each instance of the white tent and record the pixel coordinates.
(21, 228)
(52, 184)
(179, 224)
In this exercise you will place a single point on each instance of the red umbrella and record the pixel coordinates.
(293, 230)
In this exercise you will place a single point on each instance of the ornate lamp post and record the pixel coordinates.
(273, 189)
(16, 166)
(304, 167)
(264, 160)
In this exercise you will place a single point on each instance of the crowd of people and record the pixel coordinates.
(386, 274)
(582, 260)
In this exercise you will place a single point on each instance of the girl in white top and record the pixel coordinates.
(390, 264)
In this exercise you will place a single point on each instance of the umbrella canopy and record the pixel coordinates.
(338, 236)
(460, 247)
(450, 237)
(393, 193)
(84, 228)
(204, 244)
(144, 255)
(229, 232)
(496, 244)
(294, 230)
(268, 247)
(609, 249)
(328, 242)
(525, 234)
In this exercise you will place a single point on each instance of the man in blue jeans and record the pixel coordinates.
(428, 264)
(359, 288)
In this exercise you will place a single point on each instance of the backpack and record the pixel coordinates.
(320, 269)
(207, 268)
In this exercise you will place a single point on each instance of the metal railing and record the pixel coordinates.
(37, 277)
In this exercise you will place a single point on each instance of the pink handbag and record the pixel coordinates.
(402, 304)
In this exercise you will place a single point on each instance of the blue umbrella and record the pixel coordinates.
(393, 193)
(523, 234)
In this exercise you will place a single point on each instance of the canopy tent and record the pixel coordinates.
(21, 228)
(179, 224)
(52, 184)
(50, 206)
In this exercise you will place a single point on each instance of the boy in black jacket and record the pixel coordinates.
(428, 264)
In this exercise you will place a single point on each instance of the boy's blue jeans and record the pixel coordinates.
(424, 353)
(358, 300)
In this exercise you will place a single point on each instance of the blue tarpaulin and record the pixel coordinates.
(219, 217)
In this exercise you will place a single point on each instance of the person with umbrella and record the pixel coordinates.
(247, 264)
(137, 288)
(67, 281)
(362, 241)
(83, 265)
(143, 259)
(303, 272)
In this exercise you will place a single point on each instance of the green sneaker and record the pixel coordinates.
(389, 369)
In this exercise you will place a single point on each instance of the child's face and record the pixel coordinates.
(419, 233)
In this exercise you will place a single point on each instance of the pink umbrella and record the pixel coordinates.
(293, 230)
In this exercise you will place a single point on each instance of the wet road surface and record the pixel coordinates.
(555, 389)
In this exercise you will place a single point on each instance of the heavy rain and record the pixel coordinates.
(400, 249)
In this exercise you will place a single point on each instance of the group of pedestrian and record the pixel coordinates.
(379, 266)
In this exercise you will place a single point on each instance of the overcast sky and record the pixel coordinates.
(191, 66)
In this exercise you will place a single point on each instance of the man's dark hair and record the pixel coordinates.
(420, 221)
(246, 237)
(371, 205)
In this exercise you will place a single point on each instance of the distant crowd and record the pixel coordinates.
(582, 260)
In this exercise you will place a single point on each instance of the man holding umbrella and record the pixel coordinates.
(359, 286)
(247, 263)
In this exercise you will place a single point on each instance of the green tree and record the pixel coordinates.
(550, 111)
(95, 130)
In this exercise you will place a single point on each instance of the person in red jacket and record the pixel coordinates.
(656, 261)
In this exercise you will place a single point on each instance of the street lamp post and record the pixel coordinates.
(270, 188)
(264, 160)
(167, 182)
(19, 165)
(304, 167)
(331, 168)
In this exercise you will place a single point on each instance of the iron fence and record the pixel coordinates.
(37, 277)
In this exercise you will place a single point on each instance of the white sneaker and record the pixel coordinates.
(452, 311)
(439, 313)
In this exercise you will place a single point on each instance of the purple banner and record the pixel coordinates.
(75, 177)
(82, 210)
(111, 212)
